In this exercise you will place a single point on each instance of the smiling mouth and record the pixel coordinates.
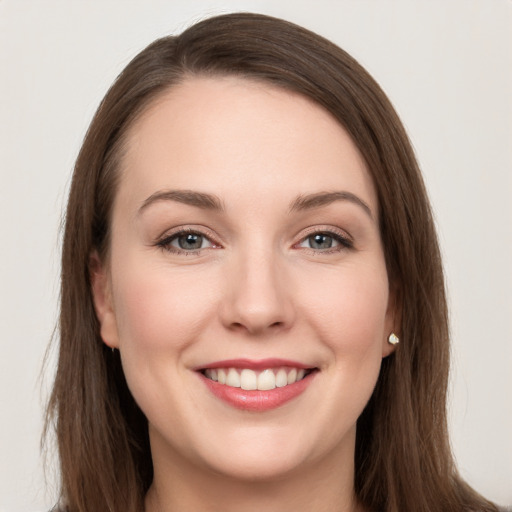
(264, 380)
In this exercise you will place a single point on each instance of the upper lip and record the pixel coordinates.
(254, 364)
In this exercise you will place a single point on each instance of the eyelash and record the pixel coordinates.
(166, 241)
(344, 242)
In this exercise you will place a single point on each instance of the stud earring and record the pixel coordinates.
(393, 339)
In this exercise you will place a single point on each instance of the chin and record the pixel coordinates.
(253, 467)
(269, 454)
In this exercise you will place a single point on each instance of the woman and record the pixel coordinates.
(252, 308)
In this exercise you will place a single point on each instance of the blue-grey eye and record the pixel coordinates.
(190, 241)
(325, 240)
(320, 241)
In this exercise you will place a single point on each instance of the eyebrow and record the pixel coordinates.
(213, 203)
(310, 201)
(190, 197)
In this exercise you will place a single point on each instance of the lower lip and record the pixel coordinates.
(256, 400)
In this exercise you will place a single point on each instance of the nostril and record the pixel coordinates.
(256, 327)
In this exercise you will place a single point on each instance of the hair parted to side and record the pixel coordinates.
(403, 458)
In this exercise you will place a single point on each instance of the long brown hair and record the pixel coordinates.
(403, 458)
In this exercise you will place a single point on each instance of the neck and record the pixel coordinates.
(322, 486)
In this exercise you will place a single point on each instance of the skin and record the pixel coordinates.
(258, 288)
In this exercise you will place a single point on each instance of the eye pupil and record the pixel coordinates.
(190, 241)
(321, 241)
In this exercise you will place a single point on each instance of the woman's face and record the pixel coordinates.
(245, 251)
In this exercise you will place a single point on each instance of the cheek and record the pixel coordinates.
(349, 316)
(160, 309)
(160, 314)
(349, 310)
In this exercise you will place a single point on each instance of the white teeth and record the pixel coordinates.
(250, 380)
(281, 379)
(233, 379)
(266, 380)
(292, 376)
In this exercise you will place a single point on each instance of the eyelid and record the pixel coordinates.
(345, 239)
(164, 240)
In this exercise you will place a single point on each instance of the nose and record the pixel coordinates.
(258, 298)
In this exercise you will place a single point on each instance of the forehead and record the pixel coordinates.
(235, 134)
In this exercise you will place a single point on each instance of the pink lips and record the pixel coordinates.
(260, 364)
(256, 400)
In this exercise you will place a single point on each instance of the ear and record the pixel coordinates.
(101, 289)
(393, 320)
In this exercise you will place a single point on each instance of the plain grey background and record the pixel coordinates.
(447, 67)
